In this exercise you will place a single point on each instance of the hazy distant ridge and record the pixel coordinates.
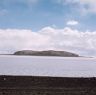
(46, 53)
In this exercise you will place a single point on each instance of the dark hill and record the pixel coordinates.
(46, 53)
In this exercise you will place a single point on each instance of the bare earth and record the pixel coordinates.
(40, 85)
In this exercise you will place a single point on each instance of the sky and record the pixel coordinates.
(48, 24)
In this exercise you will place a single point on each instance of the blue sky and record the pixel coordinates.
(36, 14)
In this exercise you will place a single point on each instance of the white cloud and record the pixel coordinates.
(72, 22)
(83, 43)
(90, 4)
(86, 6)
(67, 1)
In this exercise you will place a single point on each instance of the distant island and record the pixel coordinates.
(46, 53)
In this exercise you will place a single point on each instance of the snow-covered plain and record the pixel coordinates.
(48, 66)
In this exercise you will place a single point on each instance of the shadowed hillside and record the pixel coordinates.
(36, 85)
(46, 53)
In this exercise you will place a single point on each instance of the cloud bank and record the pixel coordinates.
(83, 43)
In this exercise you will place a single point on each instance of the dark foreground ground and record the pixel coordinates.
(32, 85)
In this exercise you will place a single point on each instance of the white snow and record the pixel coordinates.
(48, 66)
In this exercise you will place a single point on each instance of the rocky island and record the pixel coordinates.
(46, 53)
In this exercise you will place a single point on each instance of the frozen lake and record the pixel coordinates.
(48, 66)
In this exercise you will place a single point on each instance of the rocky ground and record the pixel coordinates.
(36, 85)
